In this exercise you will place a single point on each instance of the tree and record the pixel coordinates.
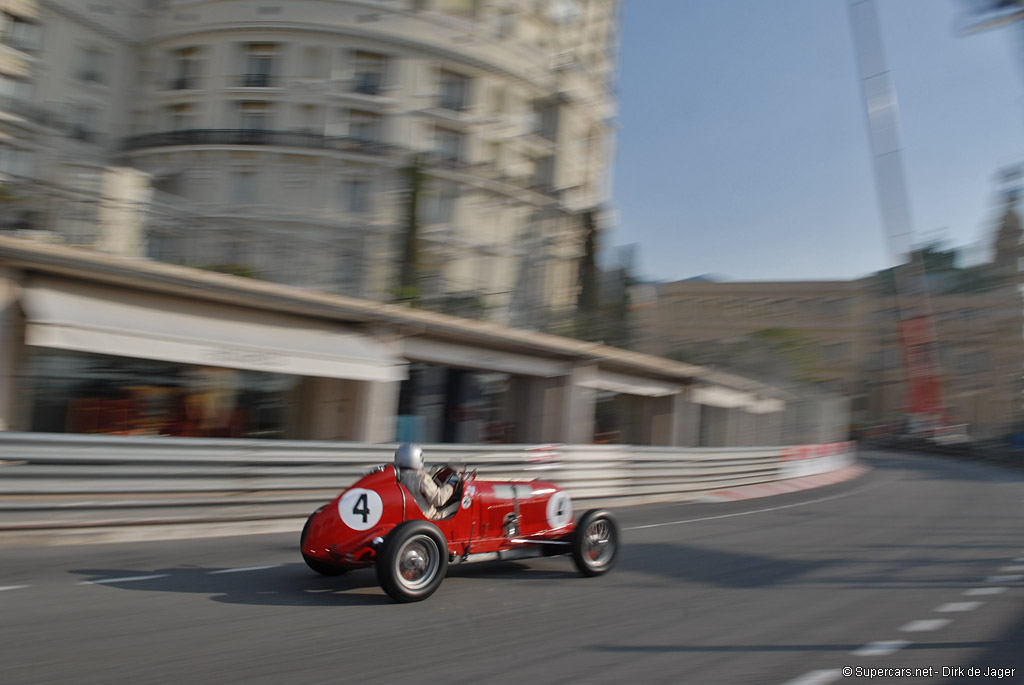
(408, 289)
(588, 298)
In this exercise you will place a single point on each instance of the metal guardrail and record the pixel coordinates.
(50, 481)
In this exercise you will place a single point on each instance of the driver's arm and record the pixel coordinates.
(435, 494)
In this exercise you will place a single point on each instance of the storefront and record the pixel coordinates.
(105, 360)
(95, 344)
(459, 394)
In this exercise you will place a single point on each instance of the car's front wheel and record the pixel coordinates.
(595, 543)
(413, 561)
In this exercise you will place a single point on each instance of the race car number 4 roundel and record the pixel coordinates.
(559, 509)
(360, 508)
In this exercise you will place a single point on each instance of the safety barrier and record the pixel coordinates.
(63, 482)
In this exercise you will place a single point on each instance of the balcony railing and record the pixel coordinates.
(314, 141)
(255, 81)
(182, 83)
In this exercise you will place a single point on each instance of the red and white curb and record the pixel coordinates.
(786, 486)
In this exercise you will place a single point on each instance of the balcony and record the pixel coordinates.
(183, 83)
(367, 83)
(313, 141)
(255, 81)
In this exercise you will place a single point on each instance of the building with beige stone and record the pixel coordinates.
(850, 333)
(275, 137)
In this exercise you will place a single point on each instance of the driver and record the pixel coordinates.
(428, 494)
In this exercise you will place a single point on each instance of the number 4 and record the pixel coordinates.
(364, 511)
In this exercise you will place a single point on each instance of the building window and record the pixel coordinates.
(454, 91)
(83, 122)
(16, 162)
(243, 187)
(93, 65)
(185, 69)
(448, 144)
(371, 69)
(364, 126)
(314, 63)
(439, 206)
(308, 119)
(355, 196)
(19, 33)
(254, 116)
(544, 173)
(506, 27)
(181, 117)
(259, 65)
(546, 121)
(15, 88)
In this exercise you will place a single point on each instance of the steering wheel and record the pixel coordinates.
(446, 475)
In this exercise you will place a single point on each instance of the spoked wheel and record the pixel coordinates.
(413, 561)
(595, 543)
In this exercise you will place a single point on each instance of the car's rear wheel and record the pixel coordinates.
(320, 567)
(595, 543)
(413, 561)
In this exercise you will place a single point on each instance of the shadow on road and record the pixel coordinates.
(288, 585)
(296, 585)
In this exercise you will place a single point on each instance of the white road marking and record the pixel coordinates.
(1019, 559)
(242, 570)
(13, 587)
(1003, 579)
(817, 677)
(762, 511)
(925, 625)
(976, 591)
(1011, 569)
(126, 579)
(959, 606)
(881, 648)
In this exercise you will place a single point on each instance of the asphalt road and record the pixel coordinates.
(918, 564)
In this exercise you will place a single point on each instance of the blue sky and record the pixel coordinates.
(742, 148)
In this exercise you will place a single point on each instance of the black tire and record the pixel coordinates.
(595, 543)
(321, 567)
(412, 562)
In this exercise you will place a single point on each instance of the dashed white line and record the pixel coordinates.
(126, 579)
(958, 606)
(817, 677)
(925, 625)
(978, 591)
(242, 570)
(13, 587)
(1019, 559)
(881, 648)
(1004, 579)
(1011, 569)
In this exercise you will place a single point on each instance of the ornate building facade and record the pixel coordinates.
(277, 139)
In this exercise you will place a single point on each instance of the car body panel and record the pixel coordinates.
(488, 516)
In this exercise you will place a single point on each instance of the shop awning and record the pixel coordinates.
(120, 322)
(464, 356)
(630, 385)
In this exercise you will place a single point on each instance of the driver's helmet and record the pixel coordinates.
(409, 456)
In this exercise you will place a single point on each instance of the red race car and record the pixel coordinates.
(378, 522)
